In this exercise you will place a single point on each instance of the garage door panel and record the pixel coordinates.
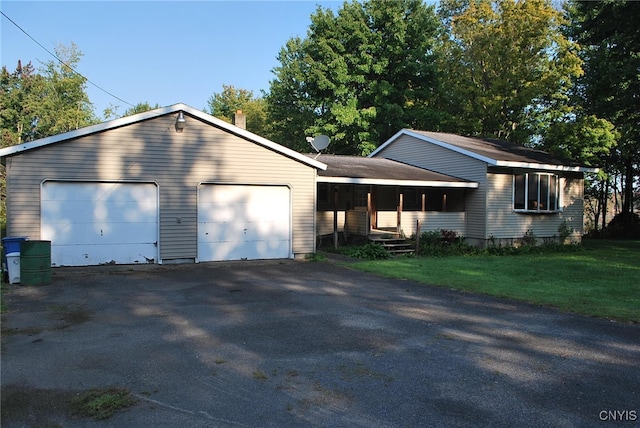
(88, 255)
(69, 232)
(266, 230)
(94, 223)
(243, 222)
(236, 250)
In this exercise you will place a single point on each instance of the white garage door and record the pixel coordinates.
(237, 222)
(98, 223)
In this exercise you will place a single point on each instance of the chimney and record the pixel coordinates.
(239, 119)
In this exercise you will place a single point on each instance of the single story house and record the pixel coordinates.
(486, 190)
(178, 185)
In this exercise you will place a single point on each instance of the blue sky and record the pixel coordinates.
(161, 52)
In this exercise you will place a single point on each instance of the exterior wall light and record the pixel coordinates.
(180, 121)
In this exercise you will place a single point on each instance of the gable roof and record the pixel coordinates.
(380, 171)
(129, 120)
(492, 151)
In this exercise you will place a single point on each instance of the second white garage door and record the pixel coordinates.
(238, 222)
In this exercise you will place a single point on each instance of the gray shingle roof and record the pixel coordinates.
(357, 169)
(498, 150)
(493, 152)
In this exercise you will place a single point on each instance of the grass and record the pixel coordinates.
(102, 403)
(260, 375)
(600, 281)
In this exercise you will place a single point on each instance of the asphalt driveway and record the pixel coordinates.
(296, 344)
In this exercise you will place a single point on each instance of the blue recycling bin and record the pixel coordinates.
(11, 244)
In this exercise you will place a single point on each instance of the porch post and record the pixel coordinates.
(424, 202)
(399, 222)
(417, 236)
(335, 218)
(369, 213)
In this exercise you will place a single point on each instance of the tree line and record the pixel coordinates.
(562, 79)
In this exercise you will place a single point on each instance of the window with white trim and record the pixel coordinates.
(536, 192)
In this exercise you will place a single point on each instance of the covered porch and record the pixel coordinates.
(372, 197)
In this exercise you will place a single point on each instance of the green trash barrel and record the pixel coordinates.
(35, 262)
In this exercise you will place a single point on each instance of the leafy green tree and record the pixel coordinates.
(610, 88)
(585, 139)
(506, 66)
(291, 111)
(140, 108)
(62, 102)
(359, 76)
(111, 112)
(225, 104)
(18, 102)
(39, 104)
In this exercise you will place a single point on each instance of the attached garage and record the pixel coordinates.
(96, 223)
(141, 189)
(243, 222)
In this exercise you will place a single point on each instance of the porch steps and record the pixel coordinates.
(395, 246)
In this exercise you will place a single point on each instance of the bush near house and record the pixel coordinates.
(441, 243)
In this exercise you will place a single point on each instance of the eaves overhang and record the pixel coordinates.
(387, 182)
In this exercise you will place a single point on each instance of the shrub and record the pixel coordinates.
(370, 251)
(443, 242)
(529, 239)
(564, 231)
(625, 226)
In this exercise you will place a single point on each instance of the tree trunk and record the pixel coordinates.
(605, 197)
(627, 199)
(598, 209)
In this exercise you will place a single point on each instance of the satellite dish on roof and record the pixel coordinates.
(319, 142)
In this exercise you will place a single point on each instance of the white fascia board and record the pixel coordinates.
(386, 143)
(437, 143)
(116, 123)
(128, 120)
(545, 167)
(451, 147)
(383, 182)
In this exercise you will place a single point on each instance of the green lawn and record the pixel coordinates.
(603, 280)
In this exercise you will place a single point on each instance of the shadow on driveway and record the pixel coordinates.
(290, 343)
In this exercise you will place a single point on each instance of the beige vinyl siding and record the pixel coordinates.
(504, 223)
(419, 153)
(429, 220)
(177, 162)
(324, 222)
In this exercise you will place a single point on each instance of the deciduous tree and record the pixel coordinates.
(610, 88)
(223, 105)
(506, 66)
(359, 76)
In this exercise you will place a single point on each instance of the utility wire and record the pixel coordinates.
(64, 63)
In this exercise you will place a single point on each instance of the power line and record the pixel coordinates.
(64, 63)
